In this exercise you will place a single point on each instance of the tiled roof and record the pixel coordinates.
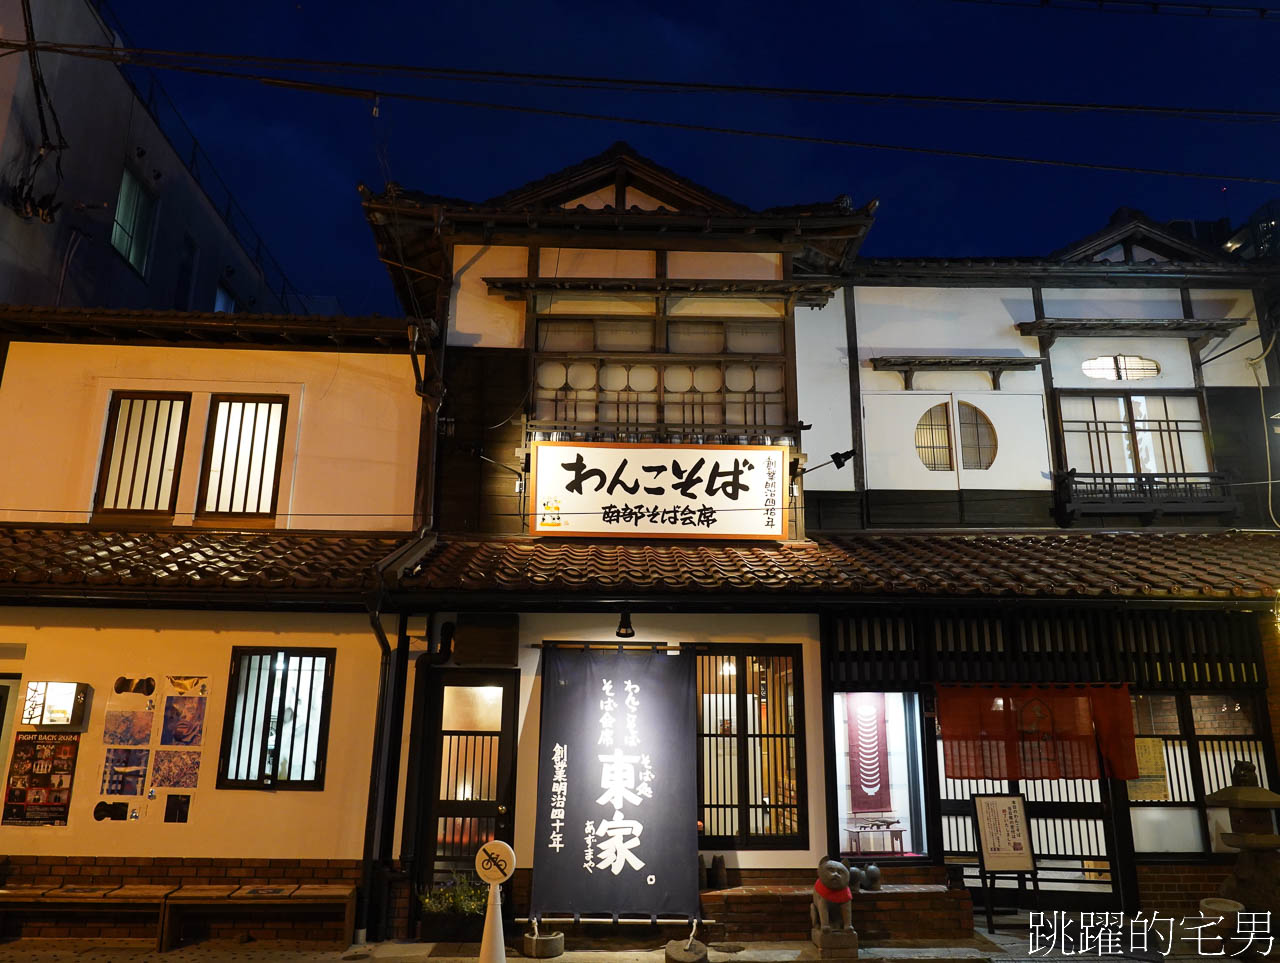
(213, 566)
(1172, 565)
(41, 560)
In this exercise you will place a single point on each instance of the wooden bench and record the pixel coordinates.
(230, 900)
(89, 899)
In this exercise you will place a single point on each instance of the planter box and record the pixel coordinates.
(450, 928)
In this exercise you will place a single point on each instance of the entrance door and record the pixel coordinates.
(470, 772)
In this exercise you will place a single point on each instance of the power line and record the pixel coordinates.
(1177, 9)
(366, 93)
(173, 59)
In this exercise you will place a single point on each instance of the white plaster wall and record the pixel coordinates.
(724, 264)
(944, 321)
(350, 445)
(96, 646)
(888, 442)
(1022, 442)
(1112, 303)
(477, 319)
(822, 388)
(1172, 354)
(673, 630)
(595, 201)
(1231, 369)
(725, 308)
(575, 262)
(1022, 455)
(635, 197)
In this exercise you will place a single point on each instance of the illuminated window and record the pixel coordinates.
(134, 221)
(1131, 434)
(933, 438)
(977, 438)
(276, 731)
(751, 749)
(243, 448)
(1120, 367)
(142, 454)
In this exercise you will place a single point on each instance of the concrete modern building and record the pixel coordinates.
(109, 199)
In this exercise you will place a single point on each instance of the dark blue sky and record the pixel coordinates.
(294, 158)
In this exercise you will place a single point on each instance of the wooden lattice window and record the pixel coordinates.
(933, 438)
(751, 764)
(142, 453)
(977, 438)
(243, 449)
(276, 732)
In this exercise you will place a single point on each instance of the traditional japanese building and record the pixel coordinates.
(624, 410)
(974, 493)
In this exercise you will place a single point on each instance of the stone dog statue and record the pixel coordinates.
(831, 891)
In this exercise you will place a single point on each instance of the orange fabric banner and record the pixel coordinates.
(1036, 732)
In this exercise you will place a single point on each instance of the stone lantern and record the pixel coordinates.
(1255, 880)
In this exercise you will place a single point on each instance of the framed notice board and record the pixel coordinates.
(1003, 837)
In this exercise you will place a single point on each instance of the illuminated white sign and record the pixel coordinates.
(53, 704)
(666, 491)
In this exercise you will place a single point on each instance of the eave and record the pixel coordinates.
(808, 292)
(203, 330)
(1199, 330)
(911, 365)
(1007, 272)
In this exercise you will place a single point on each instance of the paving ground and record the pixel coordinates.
(1007, 945)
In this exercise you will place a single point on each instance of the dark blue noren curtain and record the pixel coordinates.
(617, 798)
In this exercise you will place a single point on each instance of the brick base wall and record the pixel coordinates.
(896, 911)
(301, 923)
(120, 870)
(1176, 889)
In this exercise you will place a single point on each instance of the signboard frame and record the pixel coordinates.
(783, 452)
(1021, 868)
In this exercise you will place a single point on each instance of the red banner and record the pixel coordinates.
(1036, 732)
(868, 753)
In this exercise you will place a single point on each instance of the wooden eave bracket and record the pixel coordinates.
(806, 291)
(1200, 330)
(909, 365)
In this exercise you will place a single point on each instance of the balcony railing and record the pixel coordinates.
(1146, 494)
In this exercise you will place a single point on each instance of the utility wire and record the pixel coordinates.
(155, 58)
(1177, 9)
(366, 93)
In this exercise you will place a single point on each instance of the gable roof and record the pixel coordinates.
(1132, 226)
(622, 162)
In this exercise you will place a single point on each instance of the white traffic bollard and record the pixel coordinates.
(495, 863)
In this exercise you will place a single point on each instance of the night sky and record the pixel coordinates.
(294, 158)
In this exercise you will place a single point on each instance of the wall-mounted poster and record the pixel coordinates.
(617, 806)
(667, 491)
(176, 769)
(125, 772)
(38, 791)
(127, 727)
(183, 721)
(1152, 783)
(1004, 839)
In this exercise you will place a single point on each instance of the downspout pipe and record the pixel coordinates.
(388, 723)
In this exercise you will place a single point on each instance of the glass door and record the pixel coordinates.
(471, 771)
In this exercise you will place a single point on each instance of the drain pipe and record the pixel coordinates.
(388, 724)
